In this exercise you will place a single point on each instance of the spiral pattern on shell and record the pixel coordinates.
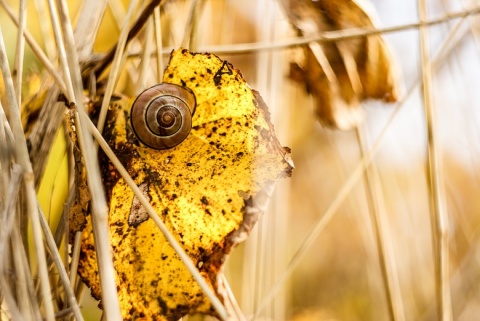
(161, 116)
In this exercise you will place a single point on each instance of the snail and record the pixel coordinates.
(161, 116)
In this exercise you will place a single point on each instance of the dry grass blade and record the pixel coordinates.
(71, 50)
(116, 65)
(382, 240)
(99, 218)
(436, 183)
(190, 38)
(241, 48)
(158, 43)
(99, 206)
(22, 157)
(20, 51)
(88, 25)
(45, 29)
(75, 254)
(61, 269)
(145, 65)
(394, 243)
(137, 26)
(61, 50)
(354, 177)
(6, 152)
(25, 289)
(231, 300)
(36, 49)
(329, 213)
(8, 219)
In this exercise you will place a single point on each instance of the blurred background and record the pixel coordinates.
(339, 275)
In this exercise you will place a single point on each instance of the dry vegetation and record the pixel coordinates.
(326, 202)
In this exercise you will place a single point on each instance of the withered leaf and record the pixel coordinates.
(343, 73)
(209, 191)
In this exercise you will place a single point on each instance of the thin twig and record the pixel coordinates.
(437, 198)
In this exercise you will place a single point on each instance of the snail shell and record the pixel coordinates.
(161, 116)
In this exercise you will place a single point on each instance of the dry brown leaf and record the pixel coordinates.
(341, 74)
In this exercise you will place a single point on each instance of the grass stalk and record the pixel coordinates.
(99, 219)
(230, 299)
(45, 29)
(87, 27)
(354, 177)
(37, 50)
(190, 37)
(70, 295)
(7, 225)
(137, 26)
(20, 50)
(158, 43)
(22, 157)
(98, 202)
(386, 259)
(145, 63)
(343, 34)
(116, 66)
(61, 50)
(21, 267)
(26, 275)
(439, 214)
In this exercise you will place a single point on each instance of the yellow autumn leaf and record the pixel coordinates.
(208, 190)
